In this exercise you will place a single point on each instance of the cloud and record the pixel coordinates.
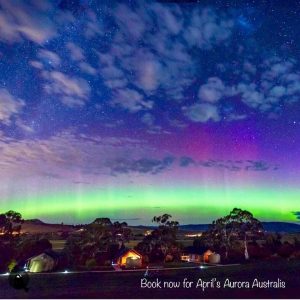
(147, 74)
(87, 68)
(257, 166)
(36, 64)
(25, 127)
(238, 165)
(148, 119)
(212, 91)
(186, 161)
(93, 26)
(155, 55)
(26, 20)
(278, 83)
(81, 182)
(9, 106)
(206, 28)
(152, 49)
(131, 100)
(74, 157)
(236, 117)
(129, 21)
(48, 58)
(73, 91)
(75, 51)
(143, 165)
(202, 112)
(262, 88)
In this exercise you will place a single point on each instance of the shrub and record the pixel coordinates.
(285, 250)
(90, 263)
(12, 264)
(236, 255)
(257, 252)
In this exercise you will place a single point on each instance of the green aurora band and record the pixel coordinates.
(188, 205)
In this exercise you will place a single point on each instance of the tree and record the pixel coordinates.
(98, 236)
(11, 221)
(160, 241)
(239, 224)
(106, 222)
(31, 247)
(166, 230)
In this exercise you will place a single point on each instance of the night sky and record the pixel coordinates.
(130, 109)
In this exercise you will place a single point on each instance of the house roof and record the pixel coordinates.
(49, 253)
(126, 251)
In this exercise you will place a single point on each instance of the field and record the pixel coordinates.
(33, 228)
(128, 284)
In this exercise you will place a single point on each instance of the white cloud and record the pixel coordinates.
(277, 91)
(202, 112)
(111, 72)
(131, 100)
(9, 106)
(75, 51)
(152, 49)
(234, 117)
(36, 64)
(26, 128)
(48, 57)
(19, 20)
(73, 91)
(148, 119)
(169, 18)
(262, 88)
(87, 68)
(148, 72)
(66, 155)
(116, 83)
(130, 22)
(206, 29)
(251, 96)
(212, 91)
(93, 28)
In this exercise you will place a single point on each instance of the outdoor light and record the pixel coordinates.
(65, 271)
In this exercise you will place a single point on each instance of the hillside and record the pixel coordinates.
(268, 226)
(37, 226)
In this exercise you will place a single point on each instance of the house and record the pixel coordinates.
(130, 259)
(191, 257)
(206, 255)
(44, 262)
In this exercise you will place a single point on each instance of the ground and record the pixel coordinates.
(128, 284)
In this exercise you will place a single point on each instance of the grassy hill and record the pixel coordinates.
(38, 226)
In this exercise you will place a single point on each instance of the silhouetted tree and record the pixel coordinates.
(160, 241)
(10, 221)
(31, 247)
(239, 224)
(99, 236)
